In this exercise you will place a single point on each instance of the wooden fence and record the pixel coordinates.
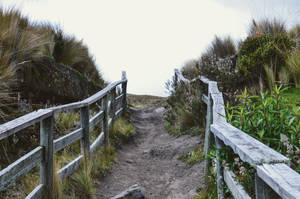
(273, 173)
(111, 107)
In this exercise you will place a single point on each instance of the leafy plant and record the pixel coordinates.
(271, 119)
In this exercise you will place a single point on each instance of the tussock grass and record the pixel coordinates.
(142, 101)
(192, 157)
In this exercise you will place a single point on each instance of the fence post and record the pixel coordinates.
(46, 168)
(220, 178)
(113, 104)
(105, 120)
(85, 141)
(175, 79)
(208, 137)
(262, 190)
(124, 91)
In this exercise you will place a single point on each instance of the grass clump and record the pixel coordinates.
(193, 157)
(121, 130)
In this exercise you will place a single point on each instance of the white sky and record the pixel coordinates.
(149, 38)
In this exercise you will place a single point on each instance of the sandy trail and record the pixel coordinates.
(150, 160)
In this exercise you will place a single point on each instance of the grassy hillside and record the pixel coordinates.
(23, 42)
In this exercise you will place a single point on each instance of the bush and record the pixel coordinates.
(263, 55)
(221, 47)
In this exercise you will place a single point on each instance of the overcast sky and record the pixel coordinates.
(149, 38)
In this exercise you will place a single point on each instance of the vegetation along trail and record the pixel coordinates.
(150, 160)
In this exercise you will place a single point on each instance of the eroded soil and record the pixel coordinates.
(150, 160)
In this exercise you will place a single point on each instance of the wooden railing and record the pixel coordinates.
(111, 107)
(273, 173)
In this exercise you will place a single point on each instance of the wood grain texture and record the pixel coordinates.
(37, 193)
(20, 123)
(85, 140)
(66, 140)
(70, 168)
(281, 178)
(21, 166)
(67, 107)
(249, 149)
(235, 187)
(218, 108)
(46, 166)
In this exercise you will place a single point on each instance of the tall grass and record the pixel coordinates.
(221, 47)
(272, 26)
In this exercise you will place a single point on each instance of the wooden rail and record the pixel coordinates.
(111, 108)
(273, 173)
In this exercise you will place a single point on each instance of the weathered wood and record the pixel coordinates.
(207, 139)
(205, 99)
(118, 112)
(249, 149)
(66, 140)
(21, 166)
(180, 77)
(67, 107)
(105, 120)
(204, 79)
(46, 168)
(20, 123)
(235, 187)
(124, 90)
(281, 178)
(85, 141)
(70, 168)
(95, 120)
(218, 108)
(118, 102)
(213, 87)
(99, 140)
(37, 193)
(103, 92)
(262, 191)
(220, 179)
(113, 103)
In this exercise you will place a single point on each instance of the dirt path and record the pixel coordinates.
(150, 160)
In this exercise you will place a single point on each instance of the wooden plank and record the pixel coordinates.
(20, 123)
(218, 108)
(69, 168)
(248, 148)
(180, 77)
(220, 179)
(67, 107)
(281, 178)
(21, 166)
(99, 95)
(205, 99)
(85, 140)
(46, 167)
(204, 79)
(95, 120)
(113, 103)
(208, 138)
(124, 90)
(66, 140)
(105, 120)
(118, 112)
(235, 187)
(213, 87)
(97, 142)
(118, 102)
(37, 193)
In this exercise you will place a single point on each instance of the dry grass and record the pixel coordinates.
(141, 101)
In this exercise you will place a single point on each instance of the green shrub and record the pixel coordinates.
(263, 55)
